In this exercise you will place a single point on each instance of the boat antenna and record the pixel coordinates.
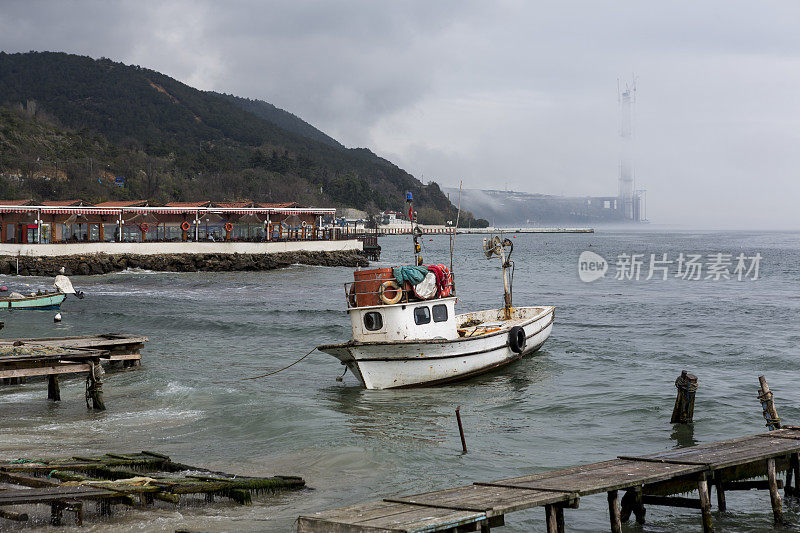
(455, 229)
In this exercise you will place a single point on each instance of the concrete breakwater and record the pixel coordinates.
(210, 262)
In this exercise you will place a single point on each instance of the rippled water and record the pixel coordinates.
(602, 386)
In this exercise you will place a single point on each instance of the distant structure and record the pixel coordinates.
(630, 199)
(511, 208)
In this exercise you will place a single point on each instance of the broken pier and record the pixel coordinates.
(647, 480)
(54, 356)
(136, 479)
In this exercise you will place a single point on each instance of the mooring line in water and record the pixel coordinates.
(284, 368)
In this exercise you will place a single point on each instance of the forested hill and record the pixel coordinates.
(281, 118)
(173, 142)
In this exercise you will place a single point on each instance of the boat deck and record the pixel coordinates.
(648, 480)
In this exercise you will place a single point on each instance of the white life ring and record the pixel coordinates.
(390, 285)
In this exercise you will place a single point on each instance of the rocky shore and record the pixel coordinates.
(105, 263)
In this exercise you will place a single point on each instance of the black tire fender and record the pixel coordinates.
(517, 339)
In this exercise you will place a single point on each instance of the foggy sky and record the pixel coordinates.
(503, 94)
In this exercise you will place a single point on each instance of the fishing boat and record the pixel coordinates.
(406, 332)
(41, 300)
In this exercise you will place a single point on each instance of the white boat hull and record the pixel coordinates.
(386, 365)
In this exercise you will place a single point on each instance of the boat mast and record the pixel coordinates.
(415, 231)
(495, 246)
(506, 280)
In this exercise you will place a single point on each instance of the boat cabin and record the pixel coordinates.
(381, 310)
(427, 319)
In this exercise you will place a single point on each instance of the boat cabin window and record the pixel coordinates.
(440, 313)
(373, 321)
(422, 315)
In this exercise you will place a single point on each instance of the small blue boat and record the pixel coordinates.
(48, 300)
(41, 300)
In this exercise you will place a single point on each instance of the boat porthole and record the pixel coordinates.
(373, 321)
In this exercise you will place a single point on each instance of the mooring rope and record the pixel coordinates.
(284, 368)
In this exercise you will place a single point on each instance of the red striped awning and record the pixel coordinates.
(193, 211)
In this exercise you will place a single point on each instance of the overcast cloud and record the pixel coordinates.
(498, 94)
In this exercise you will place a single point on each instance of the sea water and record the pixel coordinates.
(602, 386)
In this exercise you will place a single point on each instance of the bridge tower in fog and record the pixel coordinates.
(628, 199)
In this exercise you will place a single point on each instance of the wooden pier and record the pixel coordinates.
(648, 480)
(113, 479)
(53, 356)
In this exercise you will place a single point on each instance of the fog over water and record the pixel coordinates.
(518, 95)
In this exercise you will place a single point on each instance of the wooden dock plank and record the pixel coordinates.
(52, 494)
(73, 354)
(730, 453)
(82, 341)
(602, 477)
(419, 519)
(490, 499)
(51, 369)
(387, 516)
(16, 478)
(355, 513)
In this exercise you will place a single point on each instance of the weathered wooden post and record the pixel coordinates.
(613, 511)
(56, 513)
(94, 386)
(774, 495)
(632, 503)
(793, 470)
(53, 391)
(705, 504)
(768, 406)
(104, 507)
(461, 429)
(684, 402)
(550, 513)
(722, 505)
(560, 518)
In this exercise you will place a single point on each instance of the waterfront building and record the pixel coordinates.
(73, 221)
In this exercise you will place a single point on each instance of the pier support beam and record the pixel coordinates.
(705, 504)
(613, 511)
(94, 386)
(793, 475)
(722, 506)
(57, 511)
(104, 507)
(552, 521)
(774, 495)
(632, 503)
(560, 518)
(53, 390)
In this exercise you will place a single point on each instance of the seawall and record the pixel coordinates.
(160, 248)
(101, 263)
